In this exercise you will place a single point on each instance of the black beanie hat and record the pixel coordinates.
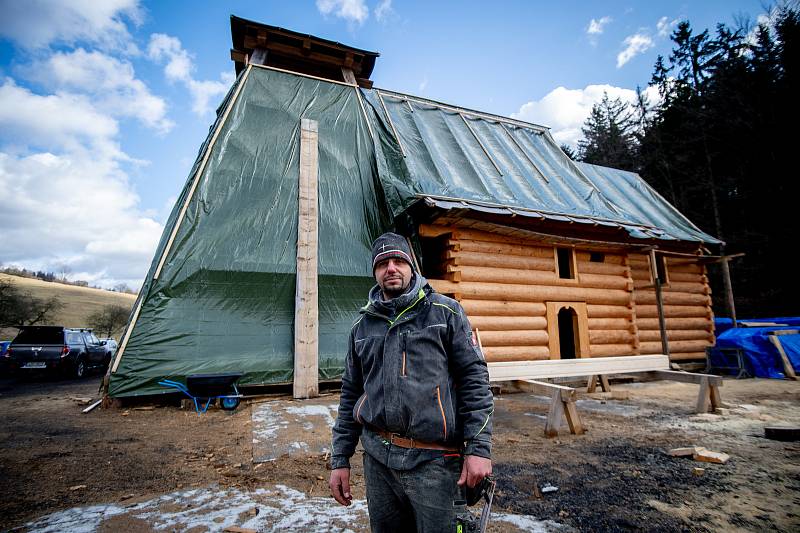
(391, 245)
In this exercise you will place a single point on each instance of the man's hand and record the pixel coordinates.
(475, 469)
(340, 486)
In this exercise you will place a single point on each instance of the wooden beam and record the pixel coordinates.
(306, 317)
(562, 401)
(348, 75)
(686, 377)
(587, 366)
(788, 370)
(259, 56)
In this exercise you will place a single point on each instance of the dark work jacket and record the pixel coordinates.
(413, 369)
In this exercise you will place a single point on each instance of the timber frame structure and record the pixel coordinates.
(307, 162)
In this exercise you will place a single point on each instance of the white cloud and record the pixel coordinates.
(36, 24)
(423, 85)
(111, 82)
(353, 11)
(53, 121)
(383, 10)
(180, 67)
(72, 203)
(664, 26)
(565, 110)
(635, 44)
(597, 26)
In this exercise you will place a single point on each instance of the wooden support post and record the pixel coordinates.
(703, 397)
(716, 399)
(562, 403)
(554, 414)
(604, 384)
(788, 370)
(591, 385)
(662, 323)
(306, 313)
(726, 277)
(573, 418)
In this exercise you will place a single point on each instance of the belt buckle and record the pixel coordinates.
(393, 435)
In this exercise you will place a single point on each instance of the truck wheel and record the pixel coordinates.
(80, 368)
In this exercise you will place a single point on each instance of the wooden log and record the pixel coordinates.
(471, 234)
(496, 354)
(503, 308)
(671, 298)
(554, 414)
(689, 287)
(505, 275)
(609, 259)
(532, 293)
(514, 338)
(507, 323)
(434, 230)
(500, 261)
(677, 346)
(610, 323)
(609, 311)
(601, 336)
(611, 350)
(644, 275)
(673, 311)
(649, 335)
(536, 277)
(502, 248)
(687, 356)
(704, 324)
(609, 269)
(788, 370)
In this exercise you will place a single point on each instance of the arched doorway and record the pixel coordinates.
(567, 332)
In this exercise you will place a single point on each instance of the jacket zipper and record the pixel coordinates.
(358, 411)
(441, 409)
(403, 343)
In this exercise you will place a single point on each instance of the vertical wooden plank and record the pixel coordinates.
(703, 397)
(306, 312)
(573, 418)
(604, 384)
(716, 399)
(554, 414)
(591, 384)
(662, 324)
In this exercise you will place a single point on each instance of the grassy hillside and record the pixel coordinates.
(79, 302)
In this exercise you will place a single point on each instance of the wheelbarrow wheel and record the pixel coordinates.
(229, 404)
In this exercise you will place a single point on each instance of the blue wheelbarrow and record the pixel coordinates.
(205, 389)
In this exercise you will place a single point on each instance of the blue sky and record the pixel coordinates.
(104, 104)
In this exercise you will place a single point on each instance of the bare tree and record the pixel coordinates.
(19, 309)
(109, 319)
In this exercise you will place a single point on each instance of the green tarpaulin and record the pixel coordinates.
(224, 300)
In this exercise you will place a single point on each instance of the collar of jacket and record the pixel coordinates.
(396, 308)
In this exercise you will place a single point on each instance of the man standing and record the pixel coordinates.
(416, 389)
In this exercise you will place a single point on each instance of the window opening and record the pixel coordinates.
(661, 269)
(597, 257)
(566, 268)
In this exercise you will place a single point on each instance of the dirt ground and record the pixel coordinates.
(616, 477)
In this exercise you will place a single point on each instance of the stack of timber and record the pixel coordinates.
(687, 307)
(505, 285)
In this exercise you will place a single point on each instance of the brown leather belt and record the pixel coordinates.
(405, 442)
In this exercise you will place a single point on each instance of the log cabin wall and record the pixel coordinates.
(510, 286)
(687, 307)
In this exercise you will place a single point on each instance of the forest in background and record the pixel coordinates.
(719, 146)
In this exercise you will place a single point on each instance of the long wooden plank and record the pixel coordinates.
(554, 368)
(306, 313)
(686, 377)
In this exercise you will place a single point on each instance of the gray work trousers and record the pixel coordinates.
(420, 499)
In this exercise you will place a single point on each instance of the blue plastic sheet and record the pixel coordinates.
(761, 357)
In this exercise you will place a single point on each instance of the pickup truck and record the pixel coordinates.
(56, 348)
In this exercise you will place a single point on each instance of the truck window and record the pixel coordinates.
(40, 336)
